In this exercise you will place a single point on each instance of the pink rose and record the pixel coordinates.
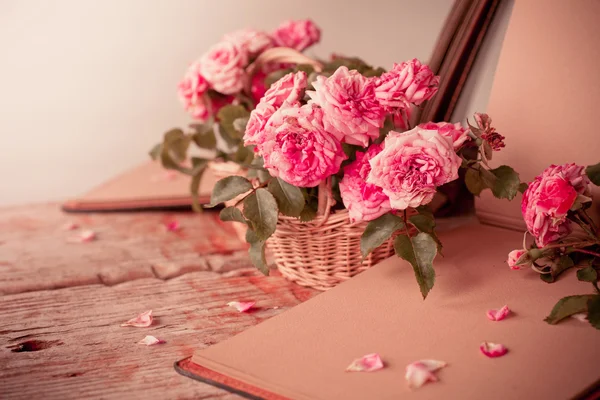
(297, 34)
(352, 113)
(455, 132)
(364, 201)
(548, 199)
(409, 82)
(287, 90)
(223, 67)
(412, 165)
(517, 258)
(251, 41)
(298, 149)
(191, 91)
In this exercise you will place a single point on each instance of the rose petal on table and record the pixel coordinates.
(493, 350)
(165, 176)
(82, 237)
(143, 320)
(150, 340)
(369, 363)
(420, 372)
(498, 315)
(172, 226)
(580, 317)
(69, 226)
(241, 306)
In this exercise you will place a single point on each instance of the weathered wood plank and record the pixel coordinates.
(35, 255)
(91, 356)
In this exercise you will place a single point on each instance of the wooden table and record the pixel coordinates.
(61, 303)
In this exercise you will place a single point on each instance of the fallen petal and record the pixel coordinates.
(82, 237)
(420, 372)
(498, 315)
(166, 176)
(151, 340)
(241, 306)
(143, 320)
(368, 363)
(580, 317)
(70, 226)
(172, 226)
(493, 350)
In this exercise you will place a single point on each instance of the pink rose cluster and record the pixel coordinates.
(549, 198)
(223, 68)
(300, 133)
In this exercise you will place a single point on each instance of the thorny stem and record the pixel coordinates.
(585, 217)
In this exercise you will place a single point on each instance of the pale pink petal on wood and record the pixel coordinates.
(498, 315)
(70, 226)
(83, 237)
(242, 306)
(420, 372)
(493, 350)
(143, 320)
(150, 340)
(369, 363)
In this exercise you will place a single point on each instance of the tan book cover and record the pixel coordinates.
(544, 101)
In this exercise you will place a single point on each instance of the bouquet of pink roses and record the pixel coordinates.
(555, 209)
(221, 86)
(338, 138)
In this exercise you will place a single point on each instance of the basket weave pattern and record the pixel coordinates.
(324, 252)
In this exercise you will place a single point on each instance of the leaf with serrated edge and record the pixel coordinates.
(419, 251)
(232, 214)
(568, 306)
(594, 311)
(228, 188)
(260, 208)
(378, 231)
(507, 183)
(289, 197)
(593, 172)
(425, 223)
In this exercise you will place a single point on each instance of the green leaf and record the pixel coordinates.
(309, 212)
(506, 186)
(587, 274)
(243, 155)
(426, 223)
(239, 124)
(378, 231)
(419, 251)
(594, 311)
(257, 252)
(290, 198)
(474, 182)
(593, 172)
(232, 214)
(523, 187)
(231, 141)
(229, 188)
(154, 153)
(205, 139)
(260, 208)
(564, 263)
(176, 143)
(199, 168)
(568, 306)
(227, 116)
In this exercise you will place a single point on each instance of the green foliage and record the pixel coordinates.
(568, 306)
(594, 311)
(227, 117)
(587, 274)
(290, 199)
(154, 153)
(309, 212)
(257, 252)
(232, 214)
(378, 231)
(503, 181)
(561, 265)
(593, 172)
(204, 136)
(419, 251)
(426, 223)
(198, 167)
(229, 188)
(260, 208)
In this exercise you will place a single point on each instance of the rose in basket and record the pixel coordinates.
(336, 177)
(221, 88)
(555, 208)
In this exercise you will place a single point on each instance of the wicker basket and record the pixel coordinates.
(324, 252)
